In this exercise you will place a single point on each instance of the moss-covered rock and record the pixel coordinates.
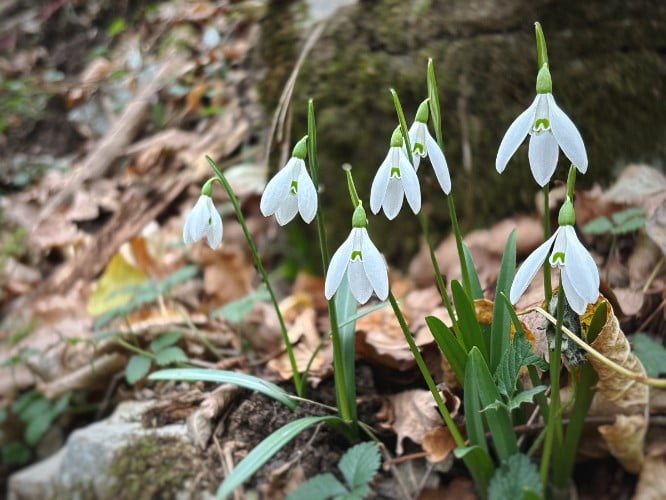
(608, 69)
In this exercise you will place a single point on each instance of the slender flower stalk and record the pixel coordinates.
(291, 191)
(204, 220)
(395, 180)
(299, 382)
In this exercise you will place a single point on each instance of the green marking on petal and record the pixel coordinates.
(395, 172)
(419, 148)
(293, 188)
(356, 255)
(541, 124)
(557, 256)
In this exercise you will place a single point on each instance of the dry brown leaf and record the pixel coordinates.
(652, 480)
(630, 301)
(620, 390)
(625, 439)
(228, 272)
(438, 443)
(655, 227)
(643, 259)
(636, 182)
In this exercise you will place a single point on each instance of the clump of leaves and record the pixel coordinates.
(163, 352)
(358, 466)
(37, 413)
(625, 221)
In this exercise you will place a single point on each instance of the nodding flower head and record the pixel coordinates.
(395, 179)
(424, 145)
(203, 220)
(550, 130)
(291, 190)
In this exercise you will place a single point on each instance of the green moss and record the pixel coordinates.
(152, 466)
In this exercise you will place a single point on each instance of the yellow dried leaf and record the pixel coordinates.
(618, 389)
(438, 443)
(625, 439)
(112, 288)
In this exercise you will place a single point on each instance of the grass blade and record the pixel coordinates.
(499, 330)
(475, 284)
(472, 335)
(263, 452)
(480, 466)
(222, 376)
(473, 416)
(346, 306)
(449, 345)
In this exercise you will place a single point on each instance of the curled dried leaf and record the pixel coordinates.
(652, 481)
(625, 439)
(620, 390)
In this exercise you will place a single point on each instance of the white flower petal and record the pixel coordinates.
(417, 134)
(543, 152)
(338, 266)
(410, 184)
(558, 256)
(439, 165)
(567, 135)
(214, 230)
(379, 184)
(580, 267)
(577, 303)
(515, 135)
(374, 266)
(287, 210)
(197, 221)
(307, 196)
(528, 270)
(277, 188)
(359, 284)
(393, 198)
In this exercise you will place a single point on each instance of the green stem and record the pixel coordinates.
(547, 284)
(298, 381)
(582, 401)
(459, 245)
(554, 426)
(135, 349)
(443, 410)
(340, 377)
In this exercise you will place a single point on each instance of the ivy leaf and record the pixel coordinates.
(170, 355)
(516, 476)
(359, 464)
(136, 368)
(165, 340)
(600, 225)
(319, 487)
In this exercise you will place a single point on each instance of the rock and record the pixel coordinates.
(97, 456)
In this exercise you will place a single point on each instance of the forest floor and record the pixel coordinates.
(107, 110)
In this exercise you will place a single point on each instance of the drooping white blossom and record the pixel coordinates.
(291, 190)
(364, 266)
(395, 180)
(203, 220)
(550, 130)
(423, 144)
(579, 275)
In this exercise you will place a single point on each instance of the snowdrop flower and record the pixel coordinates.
(423, 145)
(550, 130)
(578, 272)
(291, 190)
(204, 220)
(395, 180)
(360, 259)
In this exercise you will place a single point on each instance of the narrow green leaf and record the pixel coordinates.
(472, 335)
(597, 322)
(403, 124)
(477, 291)
(263, 452)
(474, 419)
(170, 355)
(480, 466)
(499, 330)
(136, 368)
(321, 486)
(346, 307)
(312, 141)
(226, 377)
(499, 421)
(517, 475)
(359, 464)
(165, 340)
(449, 345)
